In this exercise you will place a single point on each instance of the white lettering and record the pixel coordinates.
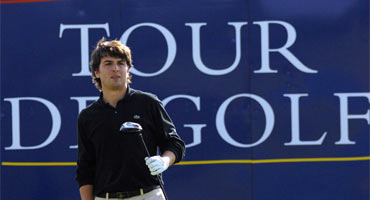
(84, 32)
(294, 99)
(196, 127)
(345, 116)
(265, 48)
(220, 120)
(195, 27)
(16, 133)
(171, 46)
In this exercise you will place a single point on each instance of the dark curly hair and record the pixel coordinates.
(113, 48)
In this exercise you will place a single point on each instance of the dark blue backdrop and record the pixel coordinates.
(332, 39)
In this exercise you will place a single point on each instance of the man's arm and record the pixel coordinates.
(86, 192)
(85, 163)
(170, 156)
(167, 137)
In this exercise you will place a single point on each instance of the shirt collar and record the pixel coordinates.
(127, 96)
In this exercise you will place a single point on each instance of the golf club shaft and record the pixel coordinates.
(157, 176)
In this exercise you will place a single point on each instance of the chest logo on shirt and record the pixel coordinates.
(136, 116)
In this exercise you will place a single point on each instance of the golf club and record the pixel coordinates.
(135, 128)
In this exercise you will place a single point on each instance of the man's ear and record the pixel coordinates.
(97, 74)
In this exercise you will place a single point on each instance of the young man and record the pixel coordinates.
(112, 164)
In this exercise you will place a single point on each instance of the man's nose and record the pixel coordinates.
(115, 67)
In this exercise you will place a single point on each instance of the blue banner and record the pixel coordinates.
(271, 97)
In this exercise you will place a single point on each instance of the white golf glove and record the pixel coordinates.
(157, 164)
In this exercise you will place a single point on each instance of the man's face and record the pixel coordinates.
(113, 73)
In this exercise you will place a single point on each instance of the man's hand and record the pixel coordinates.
(157, 164)
(86, 192)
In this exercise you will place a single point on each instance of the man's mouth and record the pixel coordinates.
(115, 77)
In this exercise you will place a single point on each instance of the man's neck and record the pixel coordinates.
(113, 96)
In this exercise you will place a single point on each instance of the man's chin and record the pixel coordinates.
(117, 87)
